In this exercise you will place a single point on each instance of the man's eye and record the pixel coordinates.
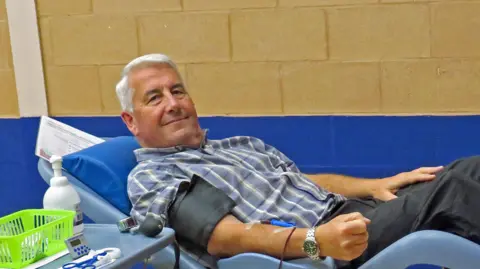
(178, 92)
(153, 98)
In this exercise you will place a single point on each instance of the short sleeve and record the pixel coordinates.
(152, 191)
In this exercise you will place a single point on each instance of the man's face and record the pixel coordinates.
(164, 114)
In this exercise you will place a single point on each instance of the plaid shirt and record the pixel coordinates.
(261, 180)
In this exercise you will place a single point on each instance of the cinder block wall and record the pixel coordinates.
(267, 57)
(8, 92)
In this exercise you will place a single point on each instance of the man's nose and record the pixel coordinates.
(172, 103)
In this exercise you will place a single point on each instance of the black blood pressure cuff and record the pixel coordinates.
(197, 209)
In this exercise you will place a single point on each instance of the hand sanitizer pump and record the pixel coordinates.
(61, 195)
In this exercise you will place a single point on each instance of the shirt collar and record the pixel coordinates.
(143, 154)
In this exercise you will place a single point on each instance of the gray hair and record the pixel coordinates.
(125, 93)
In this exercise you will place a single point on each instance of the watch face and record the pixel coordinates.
(310, 247)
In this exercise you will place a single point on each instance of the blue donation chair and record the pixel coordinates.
(99, 174)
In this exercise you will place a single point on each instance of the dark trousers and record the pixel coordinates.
(449, 203)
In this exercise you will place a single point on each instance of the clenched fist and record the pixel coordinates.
(344, 237)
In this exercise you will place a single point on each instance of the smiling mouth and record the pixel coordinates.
(175, 120)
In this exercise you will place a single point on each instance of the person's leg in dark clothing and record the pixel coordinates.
(469, 166)
(449, 203)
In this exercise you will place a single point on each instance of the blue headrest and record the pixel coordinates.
(104, 168)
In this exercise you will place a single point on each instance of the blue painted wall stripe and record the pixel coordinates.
(368, 146)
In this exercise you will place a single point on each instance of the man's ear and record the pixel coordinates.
(130, 122)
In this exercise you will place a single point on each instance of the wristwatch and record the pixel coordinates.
(310, 246)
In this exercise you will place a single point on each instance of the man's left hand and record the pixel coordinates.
(385, 189)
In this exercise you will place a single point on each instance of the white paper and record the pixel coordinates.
(57, 138)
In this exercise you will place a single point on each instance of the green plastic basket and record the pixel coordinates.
(31, 235)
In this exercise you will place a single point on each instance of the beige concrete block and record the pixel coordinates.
(129, 6)
(45, 40)
(86, 40)
(109, 77)
(73, 90)
(64, 7)
(240, 88)
(330, 87)
(8, 94)
(415, 1)
(5, 48)
(182, 69)
(281, 35)
(301, 3)
(379, 32)
(431, 86)
(407, 1)
(456, 29)
(226, 4)
(186, 37)
(3, 10)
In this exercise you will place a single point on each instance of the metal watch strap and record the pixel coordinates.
(311, 233)
(311, 236)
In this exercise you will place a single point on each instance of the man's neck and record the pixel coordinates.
(196, 141)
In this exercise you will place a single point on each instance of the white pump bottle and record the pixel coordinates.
(61, 195)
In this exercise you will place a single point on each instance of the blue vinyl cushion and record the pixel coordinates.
(104, 168)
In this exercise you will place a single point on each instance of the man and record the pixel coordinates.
(348, 219)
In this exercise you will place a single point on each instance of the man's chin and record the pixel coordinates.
(185, 137)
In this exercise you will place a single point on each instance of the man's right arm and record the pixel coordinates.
(345, 238)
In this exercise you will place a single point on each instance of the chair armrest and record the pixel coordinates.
(255, 260)
(428, 247)
(165, 258)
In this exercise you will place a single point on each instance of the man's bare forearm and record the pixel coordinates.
(344, 185)
(231, 237)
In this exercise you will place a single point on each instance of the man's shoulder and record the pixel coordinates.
(143, 166)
